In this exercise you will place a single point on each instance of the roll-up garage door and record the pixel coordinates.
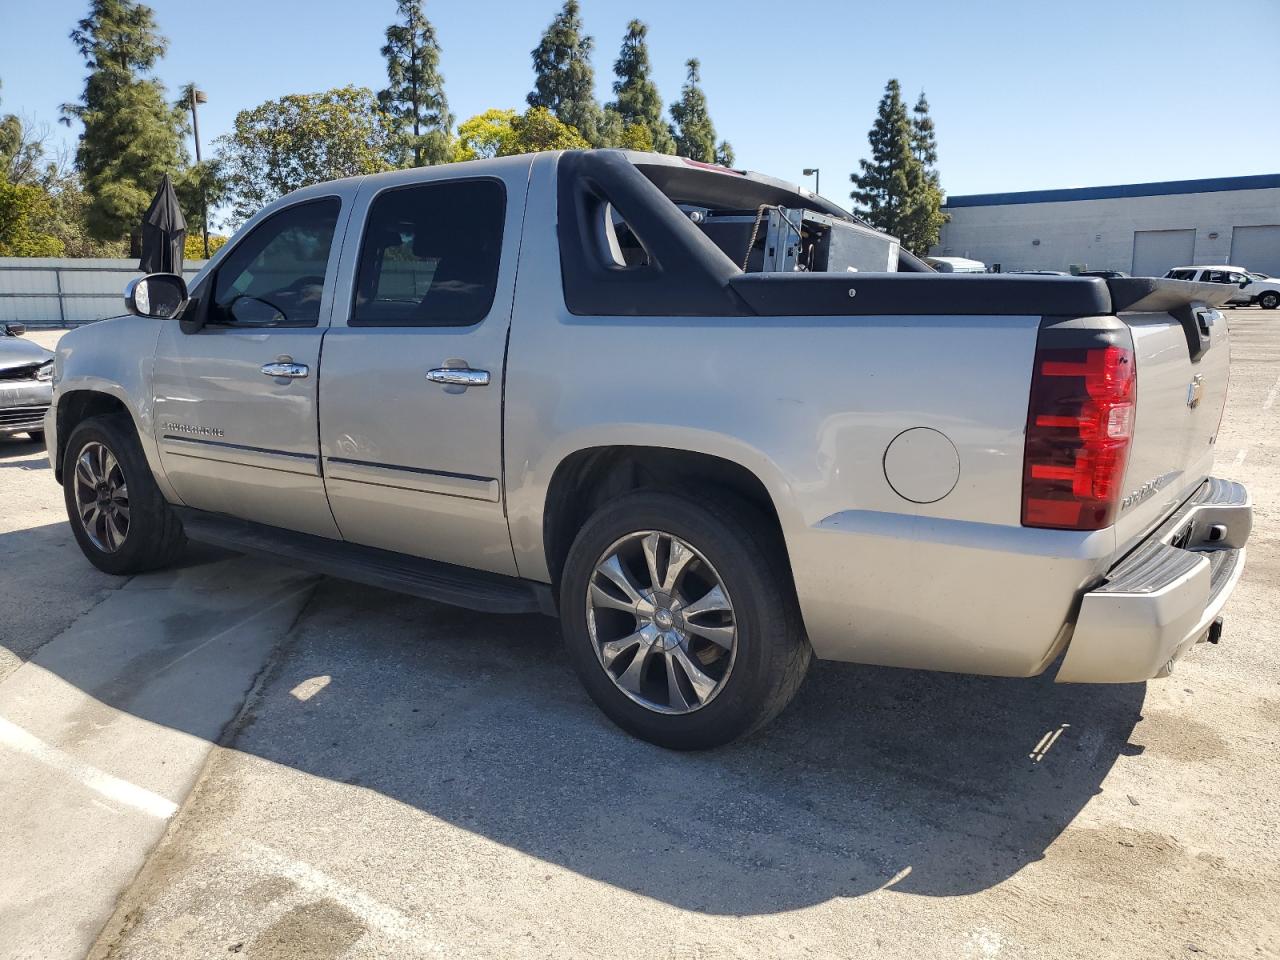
(1257, 249)
(1155, 251)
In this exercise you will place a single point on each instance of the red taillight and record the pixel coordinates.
(1078, 431)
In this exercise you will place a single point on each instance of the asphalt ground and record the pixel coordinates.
(229, 758)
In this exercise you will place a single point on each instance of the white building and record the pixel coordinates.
(1140, 228)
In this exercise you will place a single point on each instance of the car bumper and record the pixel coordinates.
(23, 404)
(1164, 597)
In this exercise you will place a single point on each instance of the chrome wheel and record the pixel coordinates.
(102, 497)
(661, 622)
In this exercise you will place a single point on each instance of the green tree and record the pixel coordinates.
(193, 245)
(638, 102)
(298, 140)
(22, 207)
(725, 155)
(22, 152)
(538, 129)
(505, 133)
(564, 80)
(484, 135)
(132, 135)
(414, 99)
(695, 135)
(924, 139)
(637, 136)
(927, 217)
(893, 191)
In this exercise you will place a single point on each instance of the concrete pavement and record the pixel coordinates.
(409, 780)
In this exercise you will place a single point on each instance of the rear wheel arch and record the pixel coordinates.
(589, 478)
(77, 406)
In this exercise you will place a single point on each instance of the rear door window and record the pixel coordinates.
(430, 255)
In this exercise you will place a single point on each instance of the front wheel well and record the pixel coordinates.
(76, 407)
(587, 479)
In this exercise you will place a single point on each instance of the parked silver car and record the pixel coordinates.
(26, 388)
(709, 419)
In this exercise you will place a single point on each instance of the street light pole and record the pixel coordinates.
(194, 97)
(817, 178)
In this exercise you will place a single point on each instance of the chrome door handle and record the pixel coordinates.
(287, 371)
(459, 376)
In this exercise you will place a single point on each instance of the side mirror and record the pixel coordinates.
(1245, 282)
(160, 296)
(14, 329)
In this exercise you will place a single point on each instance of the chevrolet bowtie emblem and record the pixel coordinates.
(1195, 390)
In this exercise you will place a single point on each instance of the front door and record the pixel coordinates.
(235, 416)
(411, 422)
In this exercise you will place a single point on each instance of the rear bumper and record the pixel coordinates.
(1163, 598)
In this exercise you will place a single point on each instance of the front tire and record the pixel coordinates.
(681, 620)
(1269, 300)
(117, 513)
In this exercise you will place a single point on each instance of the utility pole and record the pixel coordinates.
(808, 172)
(195, 96)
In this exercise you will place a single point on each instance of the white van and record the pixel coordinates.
(956, 265)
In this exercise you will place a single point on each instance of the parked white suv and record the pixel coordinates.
(1254, 287)
(1263, 290)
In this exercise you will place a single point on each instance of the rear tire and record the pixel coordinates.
(1269, 300)
(118, 515)
(759, 657)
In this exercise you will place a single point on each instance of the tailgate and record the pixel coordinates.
(1181, 353)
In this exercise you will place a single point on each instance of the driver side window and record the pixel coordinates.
(275, 276)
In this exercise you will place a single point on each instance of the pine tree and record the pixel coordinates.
(927, 217)
(132, 135)
(724, 154)
(414, 99)
(924, 141)
(893, 190)
(694, 133)
(638, 102)
(564, 79)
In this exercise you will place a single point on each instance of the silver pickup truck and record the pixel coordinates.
(711, 421)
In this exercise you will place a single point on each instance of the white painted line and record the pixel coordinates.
(1243, 452)
(99, 781)
(374, 913)
(1271, 397)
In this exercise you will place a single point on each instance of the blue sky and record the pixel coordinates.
(1026, 94)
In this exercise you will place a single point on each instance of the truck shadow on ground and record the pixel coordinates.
(932, 784)
(937, 784)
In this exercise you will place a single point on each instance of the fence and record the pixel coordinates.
(57, 292)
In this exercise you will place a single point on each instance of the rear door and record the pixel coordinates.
(411, 423)
(236, 415)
